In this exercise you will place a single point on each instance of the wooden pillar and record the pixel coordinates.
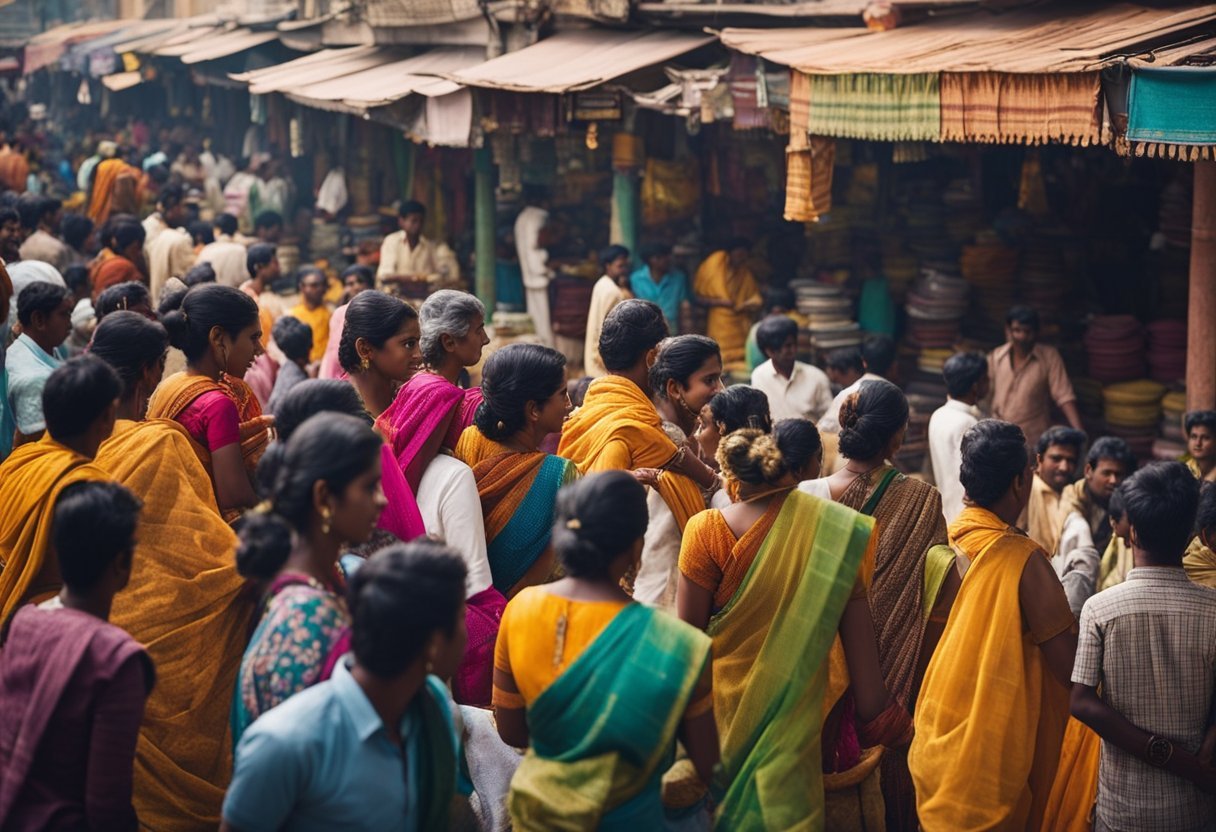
(1201, 306)
(483, 228)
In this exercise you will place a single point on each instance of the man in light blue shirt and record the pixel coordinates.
(376, 746)
(656, 281)
(45, 313)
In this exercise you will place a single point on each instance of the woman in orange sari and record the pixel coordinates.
(122, 242)
(185, 600)
(218, 330)
(116, 190)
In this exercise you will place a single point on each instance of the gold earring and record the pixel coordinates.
(365, 364)
(325, 517)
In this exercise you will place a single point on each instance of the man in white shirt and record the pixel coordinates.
(406, 255)
(608, 291)
(877, 359)
(168, 247)
(225, 255)
(966, 375)
(795, 390)
(533, 262)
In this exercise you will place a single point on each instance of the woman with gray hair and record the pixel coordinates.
(430, 410)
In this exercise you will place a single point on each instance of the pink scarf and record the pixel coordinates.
(423, 404)
(401, 516)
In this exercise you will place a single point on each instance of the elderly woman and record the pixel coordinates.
(430, 411)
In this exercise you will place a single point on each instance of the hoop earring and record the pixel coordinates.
(325, 518)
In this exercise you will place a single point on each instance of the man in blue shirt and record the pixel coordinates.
(656, 281)
(376, 746)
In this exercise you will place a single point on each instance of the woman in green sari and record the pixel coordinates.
(594, 685)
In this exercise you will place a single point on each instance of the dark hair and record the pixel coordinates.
(77, 394)
(31, 208)
(170, 196)
(308, 271)
(632, 329)
(120, 232)
(878, 354)
(1116, 507)
(313, 396)
(199, 273)
(76, 277)
(1023, 315)
(778, 297)
(329, 447)
(1161, 500)
(268, 219)
(1205, 520)
(774, 331)
(170, 300)
(1061, 435)
(751, 456)
(93, 525)
(1200, 419)
(40, 297)
(679, 358)
(410, 206)
(739, 407)
(962, 371)
(202, 231)
(611, 253)
(870, 418)
(120, 297)
(1114, 449)
(366, 276)
(845, 358)
(375, 317)
(579, 394)
(598, 518)
(293, 336)
(226, 223)
(75, 229)
(737, 242)
(994, 455)
(652, 250)
(8, 213)
(799, 442)
(130, 343)
(259, 254)
(398, 599)
(512, 377)
(204, 307)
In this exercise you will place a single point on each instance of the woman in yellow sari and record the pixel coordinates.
(727, 286)
(773, 579)
(595, 686)
(116, 189)
(78, 403)
(217, 328)
(185, 600)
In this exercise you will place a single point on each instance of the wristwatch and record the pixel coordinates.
(1159, 751)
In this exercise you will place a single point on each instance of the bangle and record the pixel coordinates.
(1159, 751)
(676, 461)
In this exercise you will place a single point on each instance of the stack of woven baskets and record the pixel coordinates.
(1171, 444)
(991, 268)
(1167, 350)
(1133, 412)
(1115, 344)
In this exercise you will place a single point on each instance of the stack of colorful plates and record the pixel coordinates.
(831, 322)
(1173, 411)
(1115, 344)
(936, 304)
(1167, 350)
(1133, 411)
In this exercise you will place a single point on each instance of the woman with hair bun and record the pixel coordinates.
(911, 541)
(774, 578)
(594, 685)
(217, 328)
(325, 494)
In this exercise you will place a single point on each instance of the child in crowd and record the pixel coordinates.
(295, 340)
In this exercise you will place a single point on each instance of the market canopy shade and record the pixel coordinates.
(381, 85)
(328, 64)
(44, 49)
(578, 60)
(1043, 40)
(229, 43)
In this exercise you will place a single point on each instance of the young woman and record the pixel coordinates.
(326, 493)
(430, 411)
(379, 348)
(801, 448)
(595, 686)
(217, 329)
(909, 520)
(122, 241)
(686, 374)
(185, 600)
(735, 408)
(773, 579)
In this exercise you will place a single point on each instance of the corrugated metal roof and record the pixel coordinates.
(577, 60)
(229, 43)
(1043, 40)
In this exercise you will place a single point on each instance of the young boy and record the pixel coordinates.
(295, 339)
(45, 313)
(795, 390)
(312, 310)
(1201, 443)
(1151, 644)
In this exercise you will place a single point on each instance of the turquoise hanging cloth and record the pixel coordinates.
(1175, 104)
(875, 310)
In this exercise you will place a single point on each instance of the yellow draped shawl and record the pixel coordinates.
(30, 482)
(189, 606)
(618, 428)
(716, 279)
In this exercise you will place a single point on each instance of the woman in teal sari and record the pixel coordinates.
(597, 687)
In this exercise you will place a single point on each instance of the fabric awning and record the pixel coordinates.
(326, 65)
(182, 42)
(120, 81)
(1042, 40)
(381, 85)
(44, 49)
(578, 60)
(230, 43)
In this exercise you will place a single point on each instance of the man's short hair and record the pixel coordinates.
(1024, 316)
(962, 371)
(774, 331)
(1205, 519)
(410, 207)
(92, 526)
(1114, 449)
(77, 394)
(259, 254)
(39, 297)
(843, 359)
(652, 250)
(1200, 419)
(293, 336)
(226, 223)
(1161, 500)
(1061, 435)
(994, 455)
(611, 254)
(268, 219)
(878, 353)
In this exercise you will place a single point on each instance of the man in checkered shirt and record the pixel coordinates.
(1150, 645)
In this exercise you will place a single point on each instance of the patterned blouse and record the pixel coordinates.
(302, 624)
